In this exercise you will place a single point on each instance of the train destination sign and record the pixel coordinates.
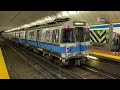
(79, 23)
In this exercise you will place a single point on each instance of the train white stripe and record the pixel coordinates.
(93, 37)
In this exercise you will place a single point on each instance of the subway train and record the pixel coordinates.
(64, 41)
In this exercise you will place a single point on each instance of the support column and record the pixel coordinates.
(110, 36)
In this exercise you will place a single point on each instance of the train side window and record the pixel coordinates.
(55, 36)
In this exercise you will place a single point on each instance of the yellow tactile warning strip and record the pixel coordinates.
(106, 55)
(3, 69)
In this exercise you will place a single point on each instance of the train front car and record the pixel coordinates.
(76, 42)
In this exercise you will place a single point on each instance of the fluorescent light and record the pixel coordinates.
(26, 25)
(43, 20)
(32, 23)
(72, 12)
(64, 13)
(38, 21)
(53, 17)
(59, 15)
(49, 18)
(46, 19)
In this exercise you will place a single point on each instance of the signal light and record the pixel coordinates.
(66, 28)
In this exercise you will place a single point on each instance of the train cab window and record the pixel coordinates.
(55, 36)
(68, 36)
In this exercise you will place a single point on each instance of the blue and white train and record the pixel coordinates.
(65, 41)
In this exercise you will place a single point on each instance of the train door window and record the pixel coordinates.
(19, 35)
(47, 36)
(39, 34)
(55, 36)
(87, 34)
(27, 34)
(31, 35)
(68, 36)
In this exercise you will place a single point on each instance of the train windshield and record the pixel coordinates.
(75, 35)
(67, 36)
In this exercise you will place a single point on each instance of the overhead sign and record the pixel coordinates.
(101, 19)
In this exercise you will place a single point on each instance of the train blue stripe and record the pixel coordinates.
(17, 40)
(22, 41)
(52, 47)
(58, 49)
(33, 43)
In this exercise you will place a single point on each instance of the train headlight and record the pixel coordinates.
(63, 60)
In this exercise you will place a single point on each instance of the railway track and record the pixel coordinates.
(89, 73)
(95, 72)
(98, 72)
(110, 76)
(12, 66)
(56, 71)
(53, 70)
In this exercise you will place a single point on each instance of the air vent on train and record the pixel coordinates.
(61, 19)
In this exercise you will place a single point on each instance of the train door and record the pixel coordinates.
(39, 35)
(82, 38)
(25, 36)
(79, 34)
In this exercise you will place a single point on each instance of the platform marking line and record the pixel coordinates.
(106, 55)
(3, 70)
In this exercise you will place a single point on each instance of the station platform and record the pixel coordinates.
(3, 70)
(105, 54)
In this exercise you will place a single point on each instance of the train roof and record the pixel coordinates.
(55, 23)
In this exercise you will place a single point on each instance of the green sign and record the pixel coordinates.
(100, 31)
(107, 30)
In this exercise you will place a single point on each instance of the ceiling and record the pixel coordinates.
(13, 19)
